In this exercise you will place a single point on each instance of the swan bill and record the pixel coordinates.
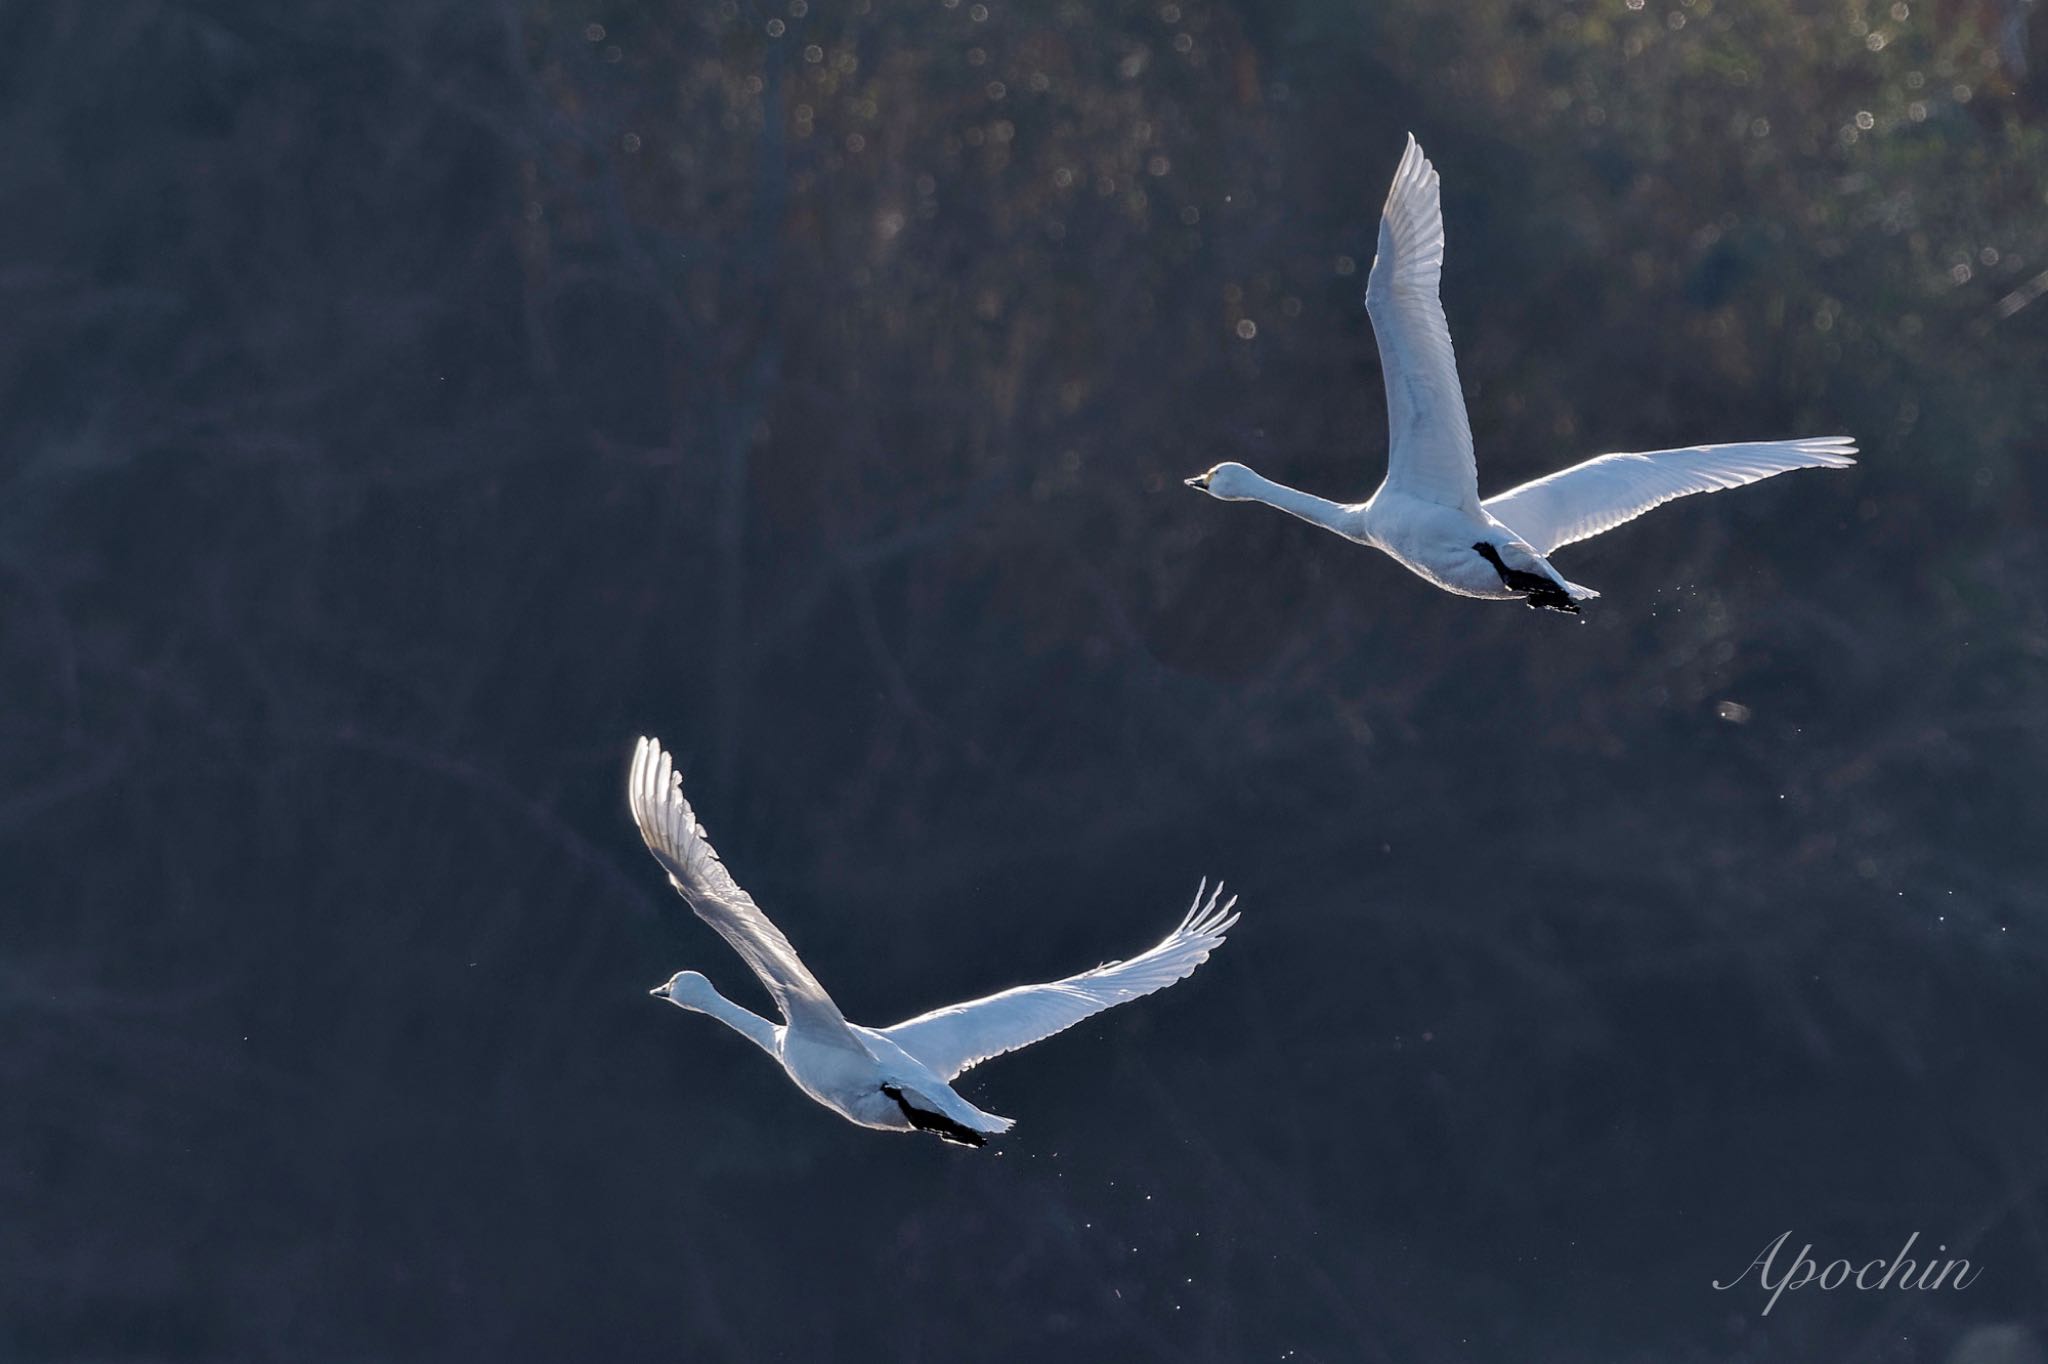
(1538, 592)
(938, 1124)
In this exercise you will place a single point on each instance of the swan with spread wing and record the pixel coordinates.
(1427, 514)
(898, 1079)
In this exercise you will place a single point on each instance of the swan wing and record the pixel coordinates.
(950, 1040)
(1600, 494)
(1429, 439)
(677, 841)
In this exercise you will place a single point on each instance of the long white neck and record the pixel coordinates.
(745, 1022)
(1318, 511)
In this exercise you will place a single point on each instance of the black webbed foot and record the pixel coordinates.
(1538, 592)
(938, 1124)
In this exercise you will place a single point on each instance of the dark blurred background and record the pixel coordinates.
(405, 405)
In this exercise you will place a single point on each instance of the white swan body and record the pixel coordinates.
(1427, 514)
(897, 1079)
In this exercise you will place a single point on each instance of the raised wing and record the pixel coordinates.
(1600, 494)
(950, 1040)
(1429, 440)
(678, 842)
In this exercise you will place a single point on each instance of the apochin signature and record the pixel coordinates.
(1872, 1276)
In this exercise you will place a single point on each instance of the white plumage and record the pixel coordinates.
(1427, 426)
(895, 1078)
(951, 1039)
(1427, 514)
(1579, 502)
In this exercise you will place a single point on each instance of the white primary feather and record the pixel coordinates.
(1429, 453)
(951, 1039)
(670, 828)
(1602, 493)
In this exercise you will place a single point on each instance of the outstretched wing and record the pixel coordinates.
(678, 842)
(1429, 440)
(1600, 494)
(952, 1039)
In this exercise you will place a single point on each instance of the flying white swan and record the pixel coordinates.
(899, 1078)
(1427, 514)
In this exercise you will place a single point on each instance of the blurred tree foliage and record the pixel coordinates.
(407, 404)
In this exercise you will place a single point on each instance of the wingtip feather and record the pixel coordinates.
(1834, 452)
(1209, 918)
(654, 792)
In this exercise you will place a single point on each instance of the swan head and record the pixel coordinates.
(685, 990)
(1231, 482)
